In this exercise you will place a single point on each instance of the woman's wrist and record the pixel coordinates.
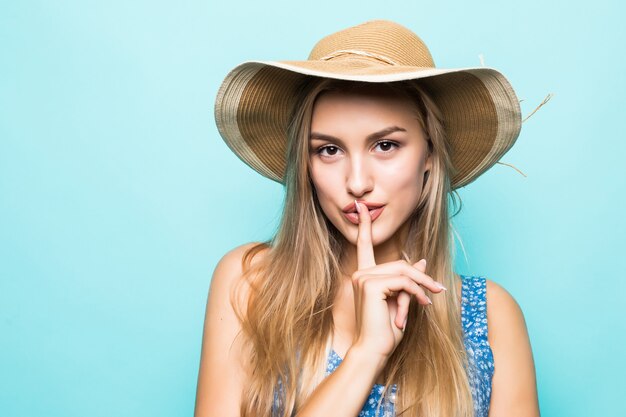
(358, 370)
(366, 359)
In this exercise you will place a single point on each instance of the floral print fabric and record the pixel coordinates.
(480, 356)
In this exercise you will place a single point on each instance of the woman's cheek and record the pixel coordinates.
(323, 193)
(324, 184)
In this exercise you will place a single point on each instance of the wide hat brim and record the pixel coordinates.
(481, 112)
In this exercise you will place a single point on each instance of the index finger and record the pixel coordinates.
(364, 247)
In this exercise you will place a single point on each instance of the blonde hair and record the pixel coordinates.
(287, 320)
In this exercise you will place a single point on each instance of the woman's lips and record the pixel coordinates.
(354, 217)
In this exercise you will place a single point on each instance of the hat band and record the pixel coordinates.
(340, 52)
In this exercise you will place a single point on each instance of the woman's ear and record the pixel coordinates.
(428, 164)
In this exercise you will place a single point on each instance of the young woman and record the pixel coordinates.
(353, 308)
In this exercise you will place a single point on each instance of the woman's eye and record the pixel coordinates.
(386, 145)
(329, 149)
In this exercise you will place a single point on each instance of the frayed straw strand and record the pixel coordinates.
(545, 100)
(512, 166)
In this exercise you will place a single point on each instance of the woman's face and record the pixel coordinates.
(367, 145)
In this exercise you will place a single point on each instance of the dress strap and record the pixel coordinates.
(480, 356)
(474, 306)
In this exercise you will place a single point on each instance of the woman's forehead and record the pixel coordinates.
(372, 102)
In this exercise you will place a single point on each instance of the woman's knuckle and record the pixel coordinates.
(408, 269)
(359, 276)
(419, 291)
(368, 285)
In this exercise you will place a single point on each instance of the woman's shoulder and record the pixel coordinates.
(237, 261)
(237, 254)
(222, 364)
(512, 352)
(230, 269)
(504, 315)
(488, 305)
(514, 382)
(229, 291)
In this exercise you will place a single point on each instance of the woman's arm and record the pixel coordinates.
(344, 392)
(221, 376)
(514, 387)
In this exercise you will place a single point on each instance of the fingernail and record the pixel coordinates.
(422, 261)
(357, 207)
(438, 285)
(430, 302)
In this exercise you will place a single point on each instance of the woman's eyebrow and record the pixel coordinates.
(373, 136)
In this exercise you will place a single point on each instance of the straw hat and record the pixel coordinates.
(481, 113)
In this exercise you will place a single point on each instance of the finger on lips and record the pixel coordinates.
(364, 247)
(365, 257)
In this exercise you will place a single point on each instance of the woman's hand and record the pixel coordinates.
(382, 293)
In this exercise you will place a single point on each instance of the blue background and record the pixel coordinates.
(118, 197)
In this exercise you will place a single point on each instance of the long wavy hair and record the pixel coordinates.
(287, 320)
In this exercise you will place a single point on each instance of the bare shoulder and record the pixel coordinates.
(222, 371)
(230, 266)
(502, 307)
(228, 292)
(514, 390)
(504, 316)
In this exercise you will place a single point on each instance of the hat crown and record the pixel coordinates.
(382, 41)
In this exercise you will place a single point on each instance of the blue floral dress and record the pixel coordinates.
(474, 322)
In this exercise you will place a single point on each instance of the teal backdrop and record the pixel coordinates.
(118, 197)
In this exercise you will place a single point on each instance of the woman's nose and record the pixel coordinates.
(359, 179)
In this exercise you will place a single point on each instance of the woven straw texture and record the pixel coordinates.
(481, 112)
